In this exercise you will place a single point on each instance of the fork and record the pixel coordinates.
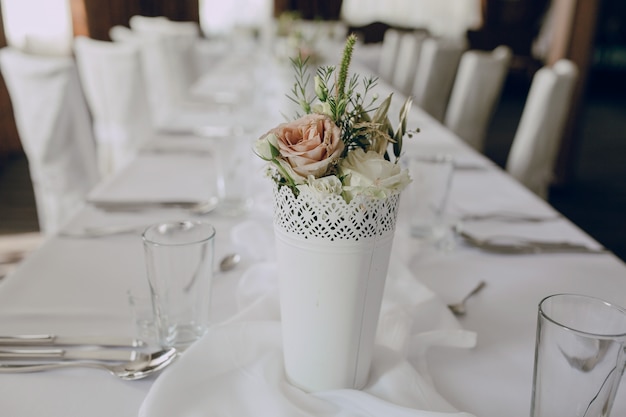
(517, 245)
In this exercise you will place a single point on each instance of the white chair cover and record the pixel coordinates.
(119, 33)
(538, 136)
(161, 24)
(389, 54)
(55, 129)
(168, 53)
(475, 93)
(114, 87)
(407, 60)
(436, 69)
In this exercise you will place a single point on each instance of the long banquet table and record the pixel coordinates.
(73, 286)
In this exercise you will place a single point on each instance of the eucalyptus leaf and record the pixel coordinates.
(381, 112)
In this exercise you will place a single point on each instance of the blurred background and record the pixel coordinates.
(590, 178)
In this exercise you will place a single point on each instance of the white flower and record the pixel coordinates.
(287, 172)
(321, 187)
(370, 174)
(266, 147)
(322, 108)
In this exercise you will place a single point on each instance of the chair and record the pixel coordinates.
(112, 78)
(407, 60)
(168, 54)
(54, 125)
(538, 136)
(119, 33)
(389, 54)
(476, 90)
(434, 76)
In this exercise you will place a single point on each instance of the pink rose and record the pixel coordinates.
(311, 144)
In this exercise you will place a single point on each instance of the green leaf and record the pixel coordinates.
(381, 112)
(397, 145)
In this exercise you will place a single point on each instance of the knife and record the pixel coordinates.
(54, 340)
(142, 205)
(113, 355)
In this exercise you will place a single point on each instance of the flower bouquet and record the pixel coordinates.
(337, 185)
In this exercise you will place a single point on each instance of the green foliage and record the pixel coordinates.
(345, 99)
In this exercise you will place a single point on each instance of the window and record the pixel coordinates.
(38, 26)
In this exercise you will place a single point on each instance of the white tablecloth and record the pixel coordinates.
(74, 286)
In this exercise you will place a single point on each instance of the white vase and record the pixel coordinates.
(332, 264)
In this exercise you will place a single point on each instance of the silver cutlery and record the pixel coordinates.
(458, 309)
(103, 231)
(135, 369)
(460, 166)
(509, 217)
(229, 262)
(194, 207)
(11, 257)
(112, 355)
(154, 149)
(516, 245)
(55, 340)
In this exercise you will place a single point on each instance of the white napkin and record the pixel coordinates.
(160, 177)
(237, 368)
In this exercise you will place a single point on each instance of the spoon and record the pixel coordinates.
(135, 369)
(458, 309)
(229, 262)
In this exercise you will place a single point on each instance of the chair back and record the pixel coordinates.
(538, 136)
(54, 126)
(407, 60)
(119, 33)
(434, 77)
(168, 53)
(113, 81)
(389, 54)
(475, 93)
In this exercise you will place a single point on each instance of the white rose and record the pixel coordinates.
(370, 174)
(266, 147)
(321, 188)
(288, 172)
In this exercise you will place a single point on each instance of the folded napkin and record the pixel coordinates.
(237, 368)
(159, 177)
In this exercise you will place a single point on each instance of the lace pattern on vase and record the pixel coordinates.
(333, 219)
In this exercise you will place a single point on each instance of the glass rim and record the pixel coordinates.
(210, 235)
(610, 305)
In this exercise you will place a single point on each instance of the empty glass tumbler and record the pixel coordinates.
(579, 356)
(179, 260)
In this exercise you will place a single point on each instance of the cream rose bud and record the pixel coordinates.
(320, 88)
(322, 108)
(321, 188)
(370, 174)
(287, 171)
(266, 147)
(311, 144)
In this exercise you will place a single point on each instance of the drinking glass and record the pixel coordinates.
(579, 356)
(429, 190)
(232, 155)
(179, 260)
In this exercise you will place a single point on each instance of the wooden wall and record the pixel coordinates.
(101, 15)
(9, 139)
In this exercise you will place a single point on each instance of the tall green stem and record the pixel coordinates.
(345, 65)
